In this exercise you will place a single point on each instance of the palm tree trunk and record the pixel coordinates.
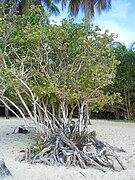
(87, 13)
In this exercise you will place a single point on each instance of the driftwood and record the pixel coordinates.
(5, 174)
(66, 147)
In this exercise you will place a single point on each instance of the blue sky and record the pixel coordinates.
(120, 20)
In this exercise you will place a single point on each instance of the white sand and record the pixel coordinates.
(116, 134)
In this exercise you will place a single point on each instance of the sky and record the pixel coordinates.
(120, 20)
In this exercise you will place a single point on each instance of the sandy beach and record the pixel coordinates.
(118, 134)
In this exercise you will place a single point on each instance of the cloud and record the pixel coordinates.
(119, 10)
(119, 20)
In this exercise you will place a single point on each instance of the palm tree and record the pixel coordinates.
(74, 6)
(49, 5)
(22, 6)
(88, 6)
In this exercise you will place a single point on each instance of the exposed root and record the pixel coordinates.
(66, 147)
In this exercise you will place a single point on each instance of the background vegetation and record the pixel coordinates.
(71, 68)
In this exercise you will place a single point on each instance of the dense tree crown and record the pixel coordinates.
(67, 64)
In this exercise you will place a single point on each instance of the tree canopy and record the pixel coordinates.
(124, 83)
(67, 64)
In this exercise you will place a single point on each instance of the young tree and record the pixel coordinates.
(48, 70)
(69, 63)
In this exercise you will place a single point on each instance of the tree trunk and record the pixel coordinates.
(87, 116)
(72, 111)
(81, 116)
(53, 112)
(40, 114)
(64, 114)
(6, 112)
(127, 102)
(59, 112)
(87, 13)
(129, 105)
(116, 113)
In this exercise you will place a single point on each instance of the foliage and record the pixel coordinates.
(39, 144)
(124, 83)
(22, 7)
(52, 66)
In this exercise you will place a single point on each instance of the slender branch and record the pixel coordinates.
(10, 108)
(12, 103)
(26, 107)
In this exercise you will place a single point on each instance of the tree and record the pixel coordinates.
(89, 7)
(76, 68)
(74, 7)
(22, 6)
(124, 83)
(48, 70)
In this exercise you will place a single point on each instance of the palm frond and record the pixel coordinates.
(74, 7)
(102, 5)
(64, 3)
(51, 7)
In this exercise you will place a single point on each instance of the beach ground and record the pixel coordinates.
(118, 134)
